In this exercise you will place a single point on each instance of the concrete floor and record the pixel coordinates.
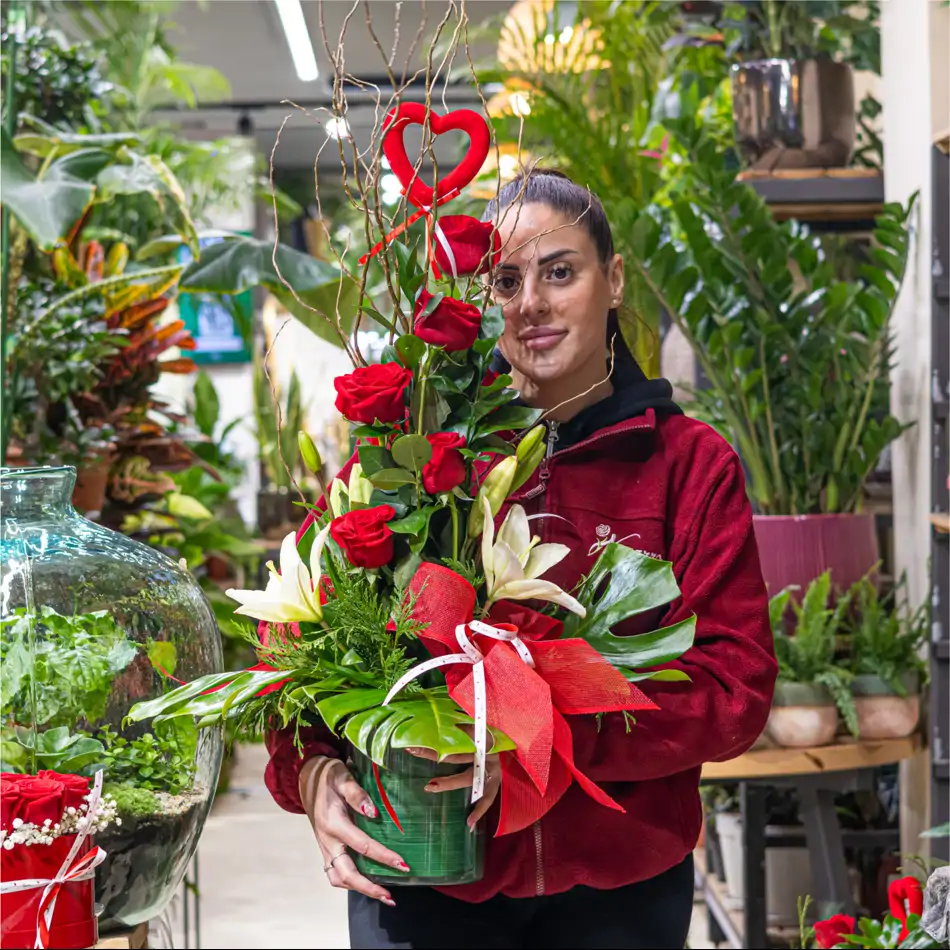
(261, 881)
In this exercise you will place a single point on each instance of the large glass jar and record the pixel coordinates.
(92, 622)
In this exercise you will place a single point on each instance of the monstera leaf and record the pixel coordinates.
(430, 721)
(623, 584)
(240, 263)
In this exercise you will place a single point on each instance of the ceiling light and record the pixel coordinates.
(298, 39)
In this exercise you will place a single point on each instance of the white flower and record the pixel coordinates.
(514, 562)
(293, 595)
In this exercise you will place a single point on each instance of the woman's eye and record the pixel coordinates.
(560, 272)
(505, 284)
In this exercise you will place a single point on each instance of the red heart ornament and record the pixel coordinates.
(464, 120)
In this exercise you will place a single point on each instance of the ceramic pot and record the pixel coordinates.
(882, 712)
(802, 715)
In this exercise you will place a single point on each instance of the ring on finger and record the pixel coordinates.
(327, 868)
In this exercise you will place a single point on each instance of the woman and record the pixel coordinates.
(624, 464)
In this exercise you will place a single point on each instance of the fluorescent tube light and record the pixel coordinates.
(298, 39)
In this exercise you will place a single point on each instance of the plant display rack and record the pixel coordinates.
(940, 544)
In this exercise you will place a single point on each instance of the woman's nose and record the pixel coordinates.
(533, 303)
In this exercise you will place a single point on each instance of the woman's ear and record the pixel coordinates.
(615, 280)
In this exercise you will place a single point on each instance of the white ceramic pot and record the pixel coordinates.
(882, 713)
(803, 715)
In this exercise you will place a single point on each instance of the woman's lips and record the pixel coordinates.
(541, 338)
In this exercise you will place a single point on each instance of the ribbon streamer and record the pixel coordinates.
(471, 655)
(70, 871)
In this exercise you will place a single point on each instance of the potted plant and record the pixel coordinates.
(793, 87)
(812, 687)
(795, 360)
(886, 640)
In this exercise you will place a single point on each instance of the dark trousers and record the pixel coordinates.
(650, 914)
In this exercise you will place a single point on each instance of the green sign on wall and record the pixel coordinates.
(220, 325)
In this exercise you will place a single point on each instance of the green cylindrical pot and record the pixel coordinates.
(435, 840)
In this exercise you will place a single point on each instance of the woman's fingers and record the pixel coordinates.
(343, 783)
(463, 759)
(448, 783)
(344, 874)
(345, 831)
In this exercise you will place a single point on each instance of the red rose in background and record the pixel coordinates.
(473, 243)
(373, 393)
(9, 799)
(490, 377)
(40, 798)
(446, 469)
(453, 324)
(829, 933)
(905, 897)
(364, 535)
(75, 787)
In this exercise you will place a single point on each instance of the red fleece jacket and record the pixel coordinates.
(676, 490)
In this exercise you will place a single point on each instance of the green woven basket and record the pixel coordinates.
(435, 841)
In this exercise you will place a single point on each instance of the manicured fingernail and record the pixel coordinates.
(432, 787)
(403, 866)
(472, 825)
(388, 901)
(368, 809)
(412, 750)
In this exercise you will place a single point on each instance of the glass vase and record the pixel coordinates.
(92, 622)
(435, 840)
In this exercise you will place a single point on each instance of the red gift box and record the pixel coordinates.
(73, 924)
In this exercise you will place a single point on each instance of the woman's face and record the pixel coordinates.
(556, 294)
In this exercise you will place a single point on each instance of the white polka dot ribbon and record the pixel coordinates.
(471, 655)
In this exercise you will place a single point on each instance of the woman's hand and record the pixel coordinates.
(447, 783)
(328, 792)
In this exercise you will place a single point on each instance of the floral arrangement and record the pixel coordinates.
(900, 928)
(38, 809)
(47, 860)
(402, 615)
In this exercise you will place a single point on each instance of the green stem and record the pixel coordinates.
(423, 376)
(14, 22)
(455, 526)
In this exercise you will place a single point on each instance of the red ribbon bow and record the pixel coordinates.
(528, 704)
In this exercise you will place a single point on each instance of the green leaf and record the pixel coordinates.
(509, 419)
(388, 479)
(241, 263)
(622, 584)
(433, 721)
(374, 458)
(414, 523)
(47, 208)
(162, 654)
(207, 406)
(411, 350)
(412, 452)
(644, 237)
(647, 649)
(335, 708)
(493, 324)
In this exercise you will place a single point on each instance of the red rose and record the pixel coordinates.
(41, 799)
(904, 897)
(453, 324)
(373, 393)
(829, 933)
(9, 799)
(446, 468)
(364, 536)
(473, 244)
(489, 377)
(76, 788)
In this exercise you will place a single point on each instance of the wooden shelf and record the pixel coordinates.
(844, 756)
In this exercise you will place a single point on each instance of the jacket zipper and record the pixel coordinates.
(544, 471)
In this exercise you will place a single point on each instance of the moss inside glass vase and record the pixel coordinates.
(435, 840)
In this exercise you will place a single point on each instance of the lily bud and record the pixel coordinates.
(495, 488)
(337, 488)
(529, 443)
(528, 465)
(309, 454)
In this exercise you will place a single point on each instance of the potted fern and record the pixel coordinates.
(812, 687)
(889, 670)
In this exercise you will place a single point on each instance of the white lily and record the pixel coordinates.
(291, 596)
(515, 561)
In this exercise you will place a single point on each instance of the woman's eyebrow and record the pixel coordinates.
(553, 256)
